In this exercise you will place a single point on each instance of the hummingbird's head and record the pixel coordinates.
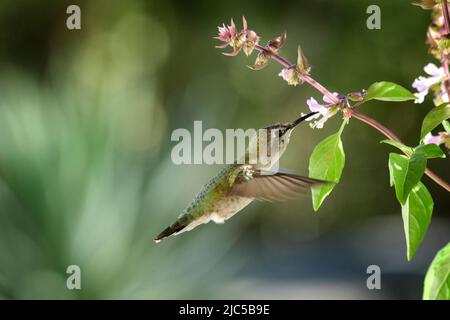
(283, 131)
(280, 134)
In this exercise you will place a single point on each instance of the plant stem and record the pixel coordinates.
(375, 124)
(285, 63)
(446, 17)
(446, 80)
(357, 115)
(444, 60)
(321, 88)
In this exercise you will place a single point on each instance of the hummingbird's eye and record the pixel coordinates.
(282, 131)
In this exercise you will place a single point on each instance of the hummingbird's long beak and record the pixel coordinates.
(295, 123)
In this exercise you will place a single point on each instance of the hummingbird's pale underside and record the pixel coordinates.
(237, 185)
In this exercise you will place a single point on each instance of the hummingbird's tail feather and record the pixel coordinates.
(175, 228)
(185, 222)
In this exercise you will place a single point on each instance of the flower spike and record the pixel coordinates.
(244, 39)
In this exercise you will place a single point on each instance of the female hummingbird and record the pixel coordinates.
(237, 185)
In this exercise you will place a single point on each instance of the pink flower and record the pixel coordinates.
(246, 39)
(225, 34)
(429, 138)
(286, 74)
(424, 84)
(290, 75)
(325, 111)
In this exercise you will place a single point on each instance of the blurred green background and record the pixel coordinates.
(85, 171)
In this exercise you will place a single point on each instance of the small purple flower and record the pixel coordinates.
(314, 106)
(286, 74)
(291, 76)
(424, 84)
(325, 110)
(429, 139)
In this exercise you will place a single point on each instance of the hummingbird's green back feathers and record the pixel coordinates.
(204, 203)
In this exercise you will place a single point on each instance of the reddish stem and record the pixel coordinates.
(446, 17)
(446, 80)
(274, 56)
(285, 63)
(444, 61)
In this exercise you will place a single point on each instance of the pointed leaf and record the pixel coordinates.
(398, 145)
(430, 151)
(398, 165)
(425, 4)
(437, 280)
(416, 168)
(416, 214)
(406, 173)
(303, 65)
(446, 125)
(326, 163)
(436, 116)
(388, 91)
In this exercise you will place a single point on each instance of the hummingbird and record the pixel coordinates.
(237, 185)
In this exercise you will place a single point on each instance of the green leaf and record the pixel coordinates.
(416, 167)
(416, 214)
(430, 151)
(406, 173)
(446, 125)
(436, 116)
(388, 91)
(398, 165)
(425, 4)
(326, 163)
(437, 280)
(398, 145)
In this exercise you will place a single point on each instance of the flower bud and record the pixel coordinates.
(275, 44)
(250, 42)
(261, 61)
(303, 66)
(425, 4)
(356, 96)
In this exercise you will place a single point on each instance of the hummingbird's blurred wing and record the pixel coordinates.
(272, 186)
